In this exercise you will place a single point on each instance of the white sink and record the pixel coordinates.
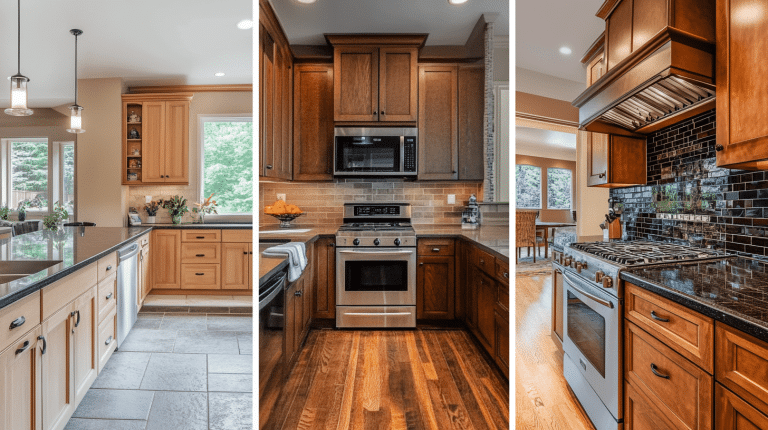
(285, 231)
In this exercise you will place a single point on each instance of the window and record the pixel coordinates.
(558, 188)
(227, 162)
(528, 184)
(67, 163)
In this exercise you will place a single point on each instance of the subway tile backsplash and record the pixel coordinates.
(691, 200)
(322, 202)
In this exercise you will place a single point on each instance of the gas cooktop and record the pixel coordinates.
(634, 253)
(376, 226)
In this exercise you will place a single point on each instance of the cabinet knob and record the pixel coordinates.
(109, 296)
(108, 341)
(602, 175)
(331, 244)
(719, 147)
(245, 252)
(298, 293)
(268, 166)
(374, 112)
(382, 112)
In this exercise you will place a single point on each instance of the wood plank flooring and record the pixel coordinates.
(415, 379)
(542, 397)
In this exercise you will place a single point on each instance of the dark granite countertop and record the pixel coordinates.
(732, 290)
(494, 238)
(75, 247)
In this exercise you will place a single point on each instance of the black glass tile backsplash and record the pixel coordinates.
(689, 199)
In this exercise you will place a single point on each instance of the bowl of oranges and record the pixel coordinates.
(284, 212)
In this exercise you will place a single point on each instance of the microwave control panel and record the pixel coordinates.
(409, 154)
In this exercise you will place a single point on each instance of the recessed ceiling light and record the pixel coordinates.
(457, 1)
(245, 24)
(219, 74)
(565, 50)
(307, 1)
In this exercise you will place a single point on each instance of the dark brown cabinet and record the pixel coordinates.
(471, 113)
(438, 123)
(325, 278)
(486, 298)
(298, 308)
(501, 341)
(313, 122)
(741, 91)
(615, 161)
(435, 279)
(733, 413)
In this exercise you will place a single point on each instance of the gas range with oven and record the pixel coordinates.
(592, 316)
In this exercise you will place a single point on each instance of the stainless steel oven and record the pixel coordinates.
(381, 151)
(592, 344)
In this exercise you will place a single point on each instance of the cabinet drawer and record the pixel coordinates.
(435, 246)
(107, 265)
(237, 236)
(58, 294)
(200, 276)
(484, 261)
(680, 389)
(502, 271)
(107, 338)
(733, 413)
(742, 365)
(201, 235)
(201, 253)
(687, 332)
(640, 412)
(502, 298)
(107, 296)
(25, 313)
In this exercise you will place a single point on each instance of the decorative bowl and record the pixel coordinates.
(285, 219)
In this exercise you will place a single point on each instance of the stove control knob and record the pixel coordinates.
(376, 241)
(356, 242)
(567, 261)
(397, 242)
(607, 282)
(599, 276)
(579, 266)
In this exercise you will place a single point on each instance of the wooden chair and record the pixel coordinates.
(525, 232)
(541, 239)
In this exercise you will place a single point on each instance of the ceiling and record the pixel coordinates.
(305, 24)
(543, 26)
(545, 140)
(145, 42)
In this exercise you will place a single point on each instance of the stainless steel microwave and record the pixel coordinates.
(385, 151)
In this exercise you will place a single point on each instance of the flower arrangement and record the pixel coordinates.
(207, 207)
(152, 207)
(57, 216)
(177, 207)
(23, 205)
(4, 212)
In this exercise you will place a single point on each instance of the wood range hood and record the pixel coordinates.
(665, 79)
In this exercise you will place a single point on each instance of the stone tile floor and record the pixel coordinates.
(175, 370)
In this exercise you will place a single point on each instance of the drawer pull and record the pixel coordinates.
(77, 312)
(435, 249)
(298, 293)
(199, 237)
(109, 296)
(656, 372)
(199, 274)
(109, 268)
(18, 322)
(482, 261)
(45, 345)
(245, 252)
(23, 347)
(658, 318)
(199, 255)
(506, 275)
(108, 341)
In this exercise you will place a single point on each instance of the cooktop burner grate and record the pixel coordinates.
(643, 252)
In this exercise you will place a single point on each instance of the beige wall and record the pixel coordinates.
(551, 215)
(204, 103)
(100, 197)
(501, 60)
(592, 201)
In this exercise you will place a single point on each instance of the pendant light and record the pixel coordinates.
(19, 83)
(76, 119)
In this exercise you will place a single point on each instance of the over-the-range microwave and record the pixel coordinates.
(381, 151)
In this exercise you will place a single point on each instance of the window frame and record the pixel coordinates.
(570, 198)
(201, 120)
(541, 190)
(58, 149)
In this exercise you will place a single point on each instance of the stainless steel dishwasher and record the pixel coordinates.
(127, 282)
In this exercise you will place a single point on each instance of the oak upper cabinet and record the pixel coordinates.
(471, 110)
(741, 91)
(435, 279)
(156, 148)
(594, 60)
(313, 122)
(615, 161)
(324, 293)
(21, 383)
(374, 77)
(166, 259)
(438, 123)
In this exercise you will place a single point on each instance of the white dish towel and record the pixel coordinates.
(297, 257)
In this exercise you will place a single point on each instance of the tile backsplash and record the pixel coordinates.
(322, 202)
(136, 199)
(689, 199)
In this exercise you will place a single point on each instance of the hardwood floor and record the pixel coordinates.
(542, 397)
(419, 379)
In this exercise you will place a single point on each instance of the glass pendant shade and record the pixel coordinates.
(76, 119)
(19, 97)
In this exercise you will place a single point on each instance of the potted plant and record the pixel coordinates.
(54, 220)
(23, 210)
(4, 212)
(207, 207)
(151, 208)
(177, 207)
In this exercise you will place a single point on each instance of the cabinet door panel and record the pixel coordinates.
(313, 122)
(397, 86)
(471, 110)
(435, 287)
(557, 305)
(267, 105)
(284, 151)
(234, 266)
(619, 33)
(153, 142)
(597, 158)
(356, 84)
(733, 413)
(166, 267)
(177, 142)
(146, 282)
(438, 129)
(85, 359)
(20, 384)
(501, 341)
(325, 279)
(290, 325)
(742, 365)
(59, 393)
(485, 302)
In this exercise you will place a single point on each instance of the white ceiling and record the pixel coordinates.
(543, 26)
(544, 143)
(305, 24)
(145, 42)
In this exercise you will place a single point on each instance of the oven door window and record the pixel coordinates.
(368, 154)
(586, 328)
(376, 276)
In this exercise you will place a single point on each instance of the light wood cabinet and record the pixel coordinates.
(106, 341)
(325, 278)
(236, 266)
(145, 280)
(21, 383)
(17, 318)
(615, 161)
(557, 306)
(156, 148)
(84, 337)
(166, 259)
(313, 122)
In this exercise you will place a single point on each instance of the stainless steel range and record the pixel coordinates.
(376, 267)
(592, 317)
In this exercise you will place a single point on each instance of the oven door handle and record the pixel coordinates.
(605, 303)
(375, 252)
